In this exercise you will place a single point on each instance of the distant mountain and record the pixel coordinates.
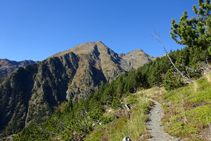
(8, 66)
(31, 93)
(135, 59)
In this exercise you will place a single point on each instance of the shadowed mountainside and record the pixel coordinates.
(31, 93)
(8, 66)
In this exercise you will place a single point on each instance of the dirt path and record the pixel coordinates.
(155, 127)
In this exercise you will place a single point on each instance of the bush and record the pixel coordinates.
(171, 81)
(105, 120)
(115, 103)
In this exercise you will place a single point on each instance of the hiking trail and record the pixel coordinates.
(154, 125)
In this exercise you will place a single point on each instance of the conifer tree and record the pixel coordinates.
(158, 38)
(196, 31)
(171, 82)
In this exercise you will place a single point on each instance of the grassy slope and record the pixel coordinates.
(187, 114)
(187, 110)
(133, 127)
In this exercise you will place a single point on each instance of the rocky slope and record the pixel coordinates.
(8, 66)
(32, 93)
(135, 59)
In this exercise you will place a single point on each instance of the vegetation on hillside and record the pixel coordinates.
(76, 119)
(194, 32)
(132, 126)
(187, 109)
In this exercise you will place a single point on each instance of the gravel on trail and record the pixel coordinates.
(154, 125)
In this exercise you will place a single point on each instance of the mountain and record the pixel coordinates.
(32, 93)
(135, 59)
(8, 66)
(74, 121)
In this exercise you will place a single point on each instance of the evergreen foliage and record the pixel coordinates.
(194, 32)
(105, 120)
(32, 133)
(76, 118)
(171, 81)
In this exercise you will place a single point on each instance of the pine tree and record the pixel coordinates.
(194, 32)
(171, 81)
(158, 38)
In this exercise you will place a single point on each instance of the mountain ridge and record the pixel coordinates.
(135, 58)
(35, 90)
(7, 66)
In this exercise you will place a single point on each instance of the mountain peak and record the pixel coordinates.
(84, 48)
(139, 50)
(135, 59)
(69, 75)
(99, 42)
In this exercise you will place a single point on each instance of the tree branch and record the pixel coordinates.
(158, 38)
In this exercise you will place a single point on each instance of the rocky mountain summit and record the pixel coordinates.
(32, 93)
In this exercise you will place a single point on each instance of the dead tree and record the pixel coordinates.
(158, 38)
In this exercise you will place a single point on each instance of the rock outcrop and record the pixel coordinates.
(135, 59)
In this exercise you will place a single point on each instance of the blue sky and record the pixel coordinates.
(37, 29)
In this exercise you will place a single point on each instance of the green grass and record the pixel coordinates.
(133, 127)
(96, 135)
(187, 110)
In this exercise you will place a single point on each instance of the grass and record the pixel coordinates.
(95, 135)
(187, 110)
(187, 113)
(133, 127)
(208, 77)
(196, 86)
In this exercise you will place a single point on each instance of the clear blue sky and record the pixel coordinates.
(37, 29)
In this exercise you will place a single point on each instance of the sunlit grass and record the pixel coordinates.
(188, 109)
(132, 127)
(187, 112)
(208, 77)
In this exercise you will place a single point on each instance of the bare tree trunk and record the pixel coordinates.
(158, 38)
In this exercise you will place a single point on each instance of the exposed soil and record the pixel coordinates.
(154, 125)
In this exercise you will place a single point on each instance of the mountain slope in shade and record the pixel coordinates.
(97, 63)
(8, 66)
(31, 93)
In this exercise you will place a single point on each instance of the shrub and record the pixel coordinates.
(108, 119)
(171, 81)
